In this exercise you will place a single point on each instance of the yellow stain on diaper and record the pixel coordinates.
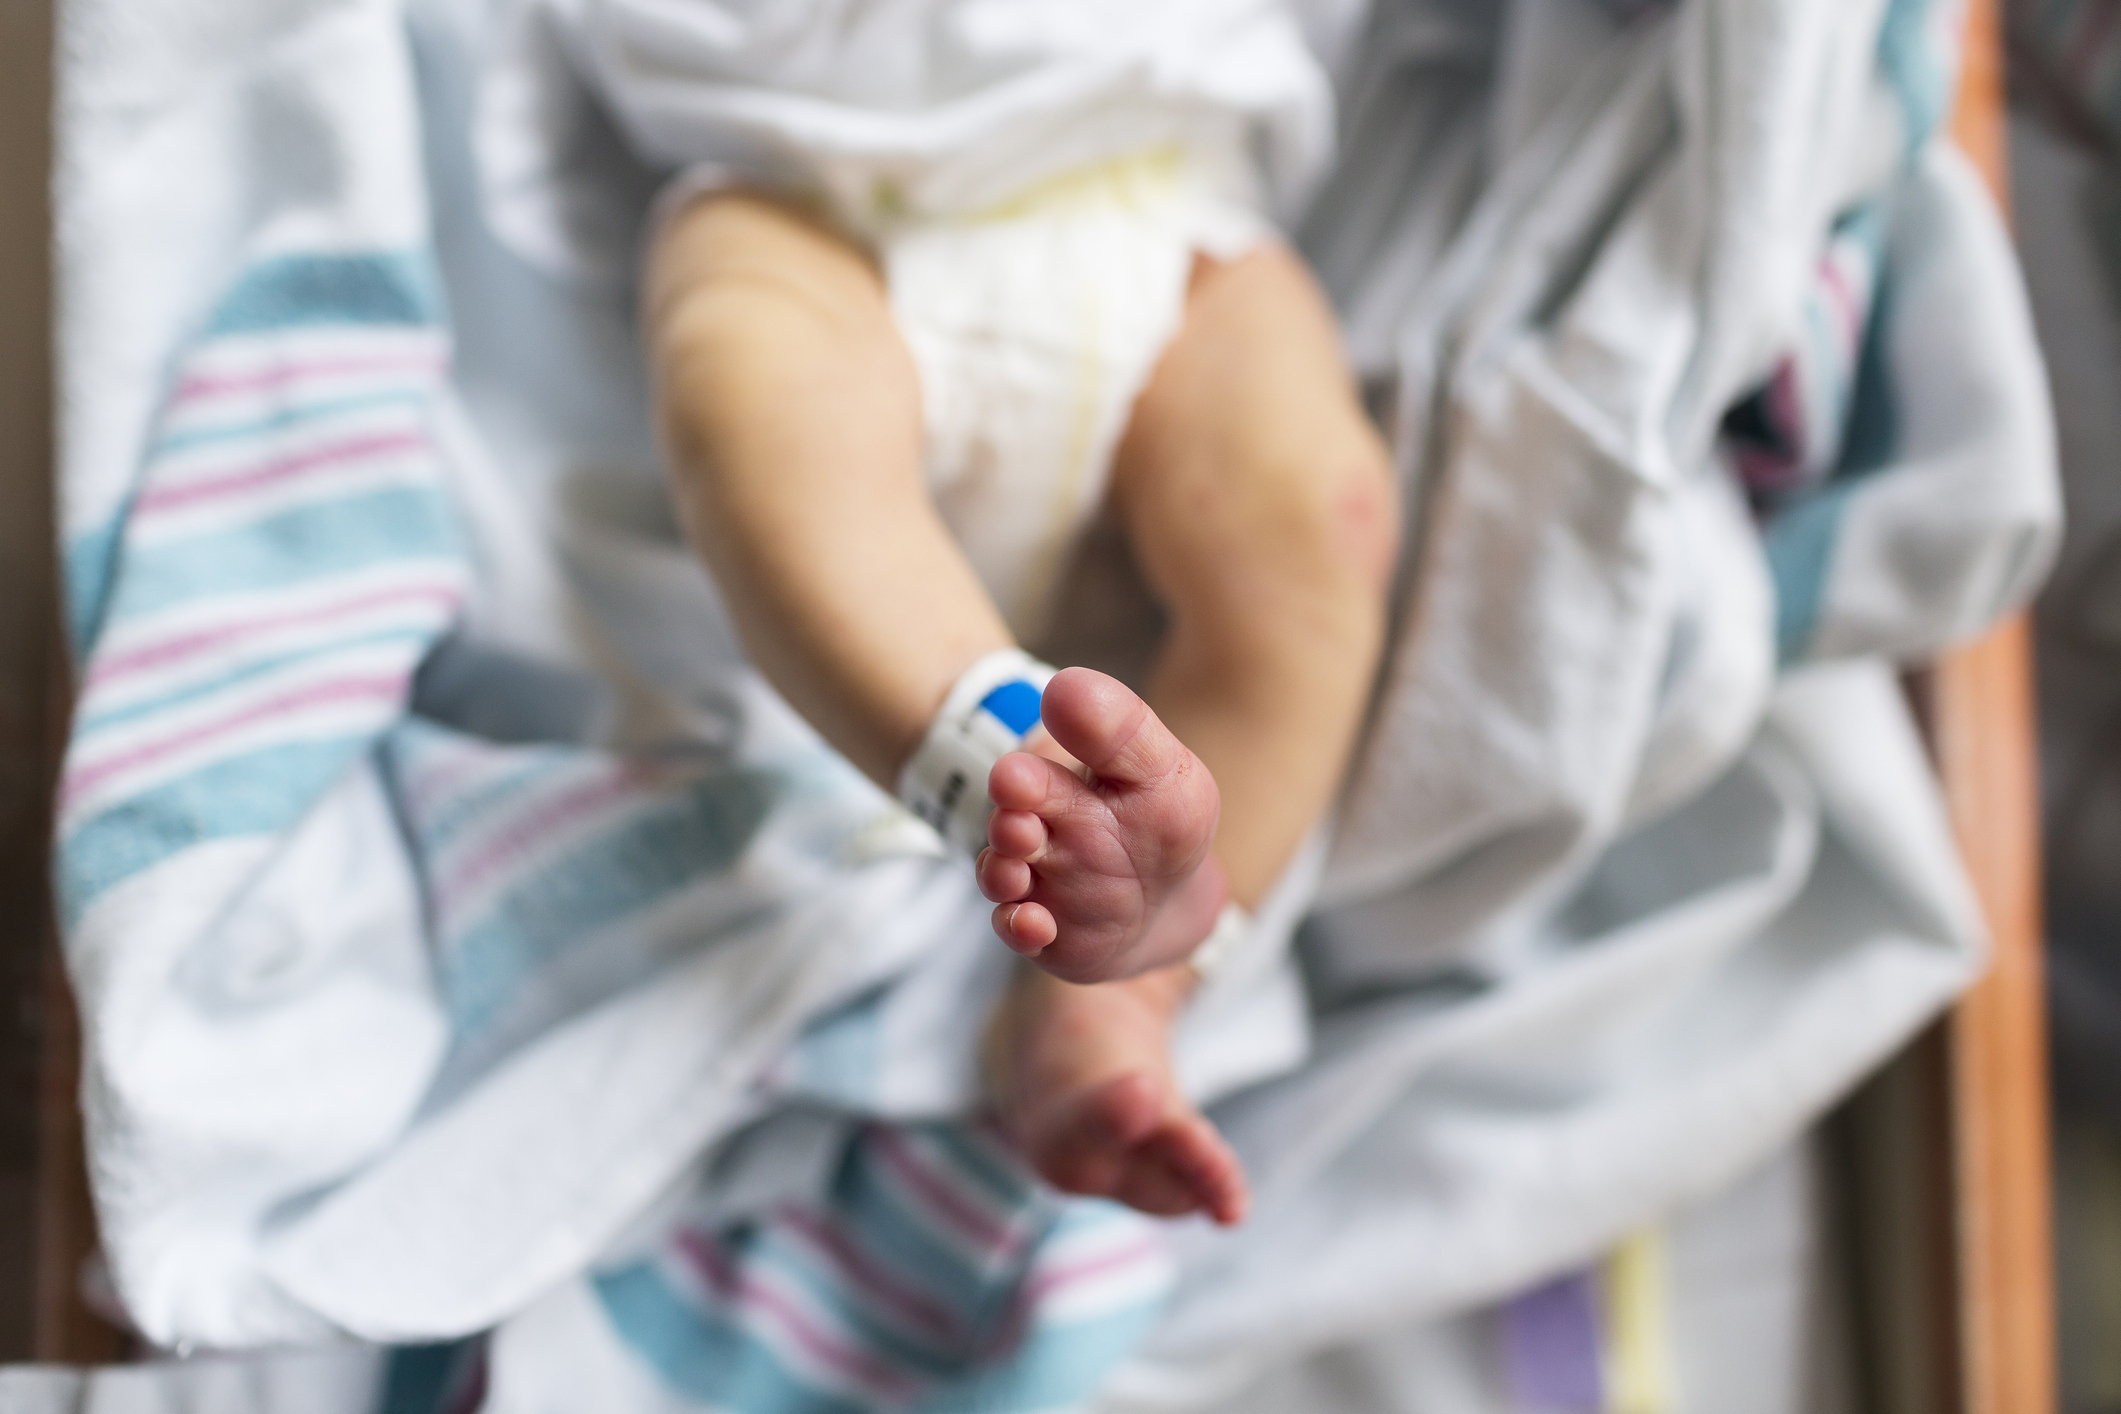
(1133, 181)
(1638, 1335)
(1034, 600)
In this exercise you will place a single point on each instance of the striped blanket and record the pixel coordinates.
(477, 957)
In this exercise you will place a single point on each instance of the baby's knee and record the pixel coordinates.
(1331, 523)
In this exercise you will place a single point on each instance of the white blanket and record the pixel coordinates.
(572, 988)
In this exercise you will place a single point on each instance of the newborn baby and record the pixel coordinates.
(940, 280)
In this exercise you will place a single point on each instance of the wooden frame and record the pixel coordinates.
(1946, 1156)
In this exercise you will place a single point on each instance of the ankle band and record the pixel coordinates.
(1233, 926)
(989, 712)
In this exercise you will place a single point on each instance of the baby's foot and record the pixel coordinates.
(1083, 1079)
(1111, 876)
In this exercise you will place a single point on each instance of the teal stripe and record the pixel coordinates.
(699, 1354)
(668, 845)
(90, 572)
(903, 1239)
(418, 638)
(287, 417)
(1873, 436)
(841, 1054)
(1800, 553)
(1055, 1368)
(927, 1359)
(419, 1379)
(1914, 68)
(303, 291)
(394, 525)
(1006, 1185)
(259, 793)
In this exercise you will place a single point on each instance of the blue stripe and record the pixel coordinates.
(302, 545)
(303, 291)
(416, 742)
(667, 845)
(257, 668)
(259, 793)
(1800, 552)
(841, 1054)
(289, 416)
(419, 1379)
(439, 830)
(90, 573)
(1059, 1367)
(699, 1354)
(1872, 438)
(904, 1240)
(1914, 68)
(1007, 1185)
(926, 1358)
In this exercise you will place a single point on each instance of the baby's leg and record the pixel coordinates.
(1262, 506)
(792, 415)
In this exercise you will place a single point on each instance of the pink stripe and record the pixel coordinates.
(155, 655)
(742, 1290)
(163, 498)
(1045, 1281)
(884, 1289)
(431, 785)
(970, 1222)
(529, 829)
(386, 686)
(200, 386)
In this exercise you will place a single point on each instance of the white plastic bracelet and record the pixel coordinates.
(1232, 927)
(987, 715)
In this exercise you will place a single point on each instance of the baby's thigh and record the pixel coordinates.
(1249, 453)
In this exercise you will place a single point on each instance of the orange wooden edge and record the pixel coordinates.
(1984, 734)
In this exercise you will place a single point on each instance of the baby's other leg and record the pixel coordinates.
(1263, 508)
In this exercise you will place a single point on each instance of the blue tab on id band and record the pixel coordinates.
(984, 718)
(1015, 705)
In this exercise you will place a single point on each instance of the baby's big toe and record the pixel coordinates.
(1104, 725)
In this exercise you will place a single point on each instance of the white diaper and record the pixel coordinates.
(1034, 326)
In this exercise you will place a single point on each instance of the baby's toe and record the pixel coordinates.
(1197, 1158)
(1103, 724)
(1002, 879)
(1026, 927)
(1022, 781)
(1017, 833)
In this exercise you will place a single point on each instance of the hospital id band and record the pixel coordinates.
(987, 715)
(1232, 927)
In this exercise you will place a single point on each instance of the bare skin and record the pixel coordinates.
(1261, 507)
